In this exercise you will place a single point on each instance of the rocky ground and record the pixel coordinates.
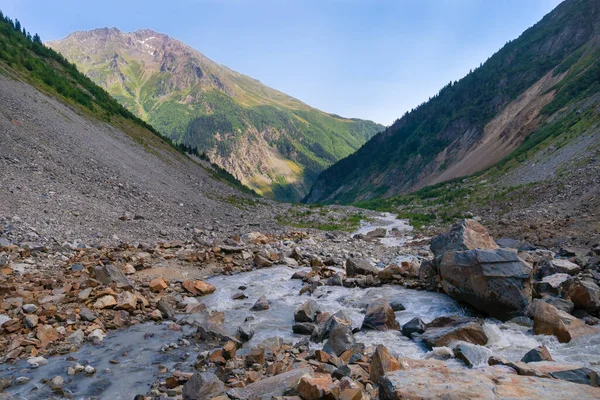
(56, 300)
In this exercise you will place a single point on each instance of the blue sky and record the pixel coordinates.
(371, 59)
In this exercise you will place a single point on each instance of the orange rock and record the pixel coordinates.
(157, 285)
(318, 387)
(382, 363)
(197, 287)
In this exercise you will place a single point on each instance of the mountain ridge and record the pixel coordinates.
(529, 80)
(272, 142)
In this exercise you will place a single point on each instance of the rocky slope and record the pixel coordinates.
(273, 143)
(531, 92)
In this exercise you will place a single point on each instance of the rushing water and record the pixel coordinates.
(139, 356)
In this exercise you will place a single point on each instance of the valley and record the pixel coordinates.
(454, 254)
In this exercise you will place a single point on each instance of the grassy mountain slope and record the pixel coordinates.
(506, 107)
(272, 142)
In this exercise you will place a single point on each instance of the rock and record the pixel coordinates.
(22, 380)
(29, 308)
(380, 317)
(464, 235)
(198, 288)
(126, 301)
(202, 385)
(523, 321)
(303, 328)
(584, 294)
(89, 370)
(105, 302)
(166, 309)
(211, 331)
(255, 356)
(261, 304)
(56, 384)
(415, 325)
(551, 284)
(390, 273)
(96, 336)
(229, 350)
(245, 333)
(262, 260)
(360, 266)
(87, 315)
(36, 362)
(320, 386)
(491, 383)
(376, 233)
(108, 274)
(271, 387)
(443, 330)
(382, 363)
(583, 376)
(471, 354)
(562, 304)
(559, 266)
(335, 280)
(340, 338)
(158, 285)
(239, 296)
(496, 282)
(307, 312)
(76, 338)
(540, 353)
(397, 305)
(548, 320)
(46, 334)
(30, 321)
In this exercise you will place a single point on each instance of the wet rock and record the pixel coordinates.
(340, 338)
(464, 235)
(108, 274)
(584, 294)
(239, 296)
(307, 312)
(89, 370)
(360, 266)
(390, 273)
(548, 320)
(443, 330)
(496, 282)
(540, 353)
(201, 386)
(523, 321)
(320, 386)
(261, 304)
(415, 325)
(335, 280)
(198, 288)
(211, 331)
(382, 363)
(36, 362)
(158, 285)
(274, 386)
(380, 317)
(167, 310)
(245, 333)
(397, 305)
(472, 355)
(56, 384)
(304, 328)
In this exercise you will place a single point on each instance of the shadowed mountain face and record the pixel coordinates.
(273, 143)
(514, 101)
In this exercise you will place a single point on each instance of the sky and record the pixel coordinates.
(371, 59)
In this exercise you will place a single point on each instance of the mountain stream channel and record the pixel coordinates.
(140, 349)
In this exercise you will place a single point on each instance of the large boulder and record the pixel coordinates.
(203, 385)
(442, 382)
(496, 282)
(380, 316)
(382, 363)
(557, 266)
(548, 320)
(274, 386)
(340, 338)
(584, 294)
(360, 266)
(552, 285)
(307, 312)
(464, 235)
(444, 330)
(415, 325)
(540, 353)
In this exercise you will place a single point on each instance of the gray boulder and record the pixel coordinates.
(444, 330)
(306, 312)
(108, 274)
(360, 266)
(380, 316)
(464, 235)
(203, 385)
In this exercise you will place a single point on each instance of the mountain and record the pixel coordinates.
(528, 94)
(273, 143)
(76, 165)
